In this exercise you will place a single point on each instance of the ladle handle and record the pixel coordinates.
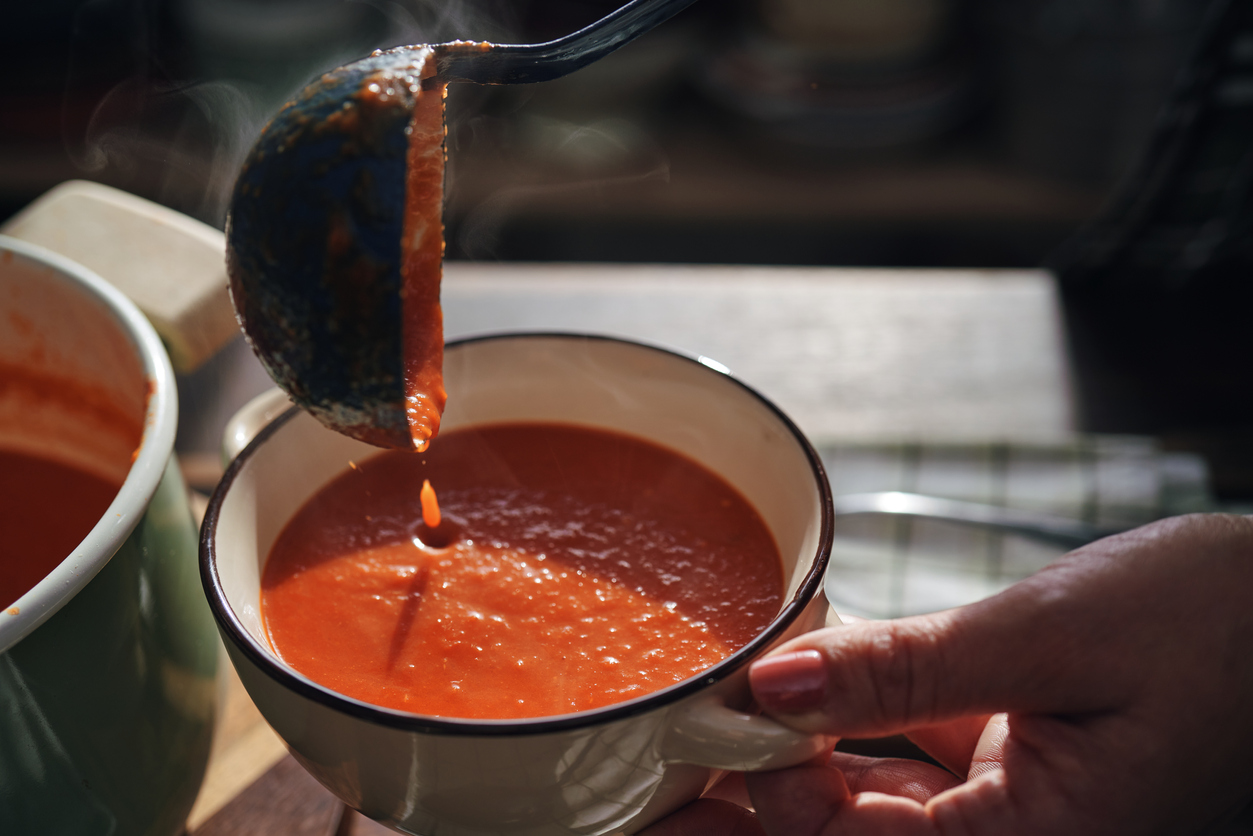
(527, 63)
(168, 264)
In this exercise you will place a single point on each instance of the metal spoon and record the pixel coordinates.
(316, 218)
(1058, 531)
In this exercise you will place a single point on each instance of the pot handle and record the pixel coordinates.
(706, 732)
(251, 418)
(171, 266)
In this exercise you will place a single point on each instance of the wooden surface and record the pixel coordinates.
(849, 354)
(244, 749)
(937, 355)
(254, 788)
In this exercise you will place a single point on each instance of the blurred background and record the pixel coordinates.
(901, 133)
(850, 132)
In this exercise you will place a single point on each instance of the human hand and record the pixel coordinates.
(1110, 693)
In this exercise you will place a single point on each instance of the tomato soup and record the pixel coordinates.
(422, 265)
(46, 509)
(581, 568)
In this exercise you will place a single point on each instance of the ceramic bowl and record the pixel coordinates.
(108, 664)
(599, 771)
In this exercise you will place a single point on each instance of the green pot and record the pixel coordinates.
(108, 665)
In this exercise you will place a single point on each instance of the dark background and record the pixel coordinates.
(905, 133)
(850, 132)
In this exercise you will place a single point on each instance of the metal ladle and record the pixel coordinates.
(527, 63)
(314, 229)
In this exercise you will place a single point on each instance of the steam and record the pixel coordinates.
(188, 93)
(176, 124)
(432, 21)
(178, 144)
(584, 152)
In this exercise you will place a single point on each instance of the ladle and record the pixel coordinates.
(314, 231)
(526, 63)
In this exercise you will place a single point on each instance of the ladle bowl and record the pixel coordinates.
(314, 232)
(314, 245)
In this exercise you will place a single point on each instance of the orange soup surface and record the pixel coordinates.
(46, 509)
(587, 568)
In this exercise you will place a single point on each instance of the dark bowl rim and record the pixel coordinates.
(243, 642)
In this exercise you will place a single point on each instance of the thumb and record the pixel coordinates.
(1025, 650)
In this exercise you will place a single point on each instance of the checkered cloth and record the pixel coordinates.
(885, 566)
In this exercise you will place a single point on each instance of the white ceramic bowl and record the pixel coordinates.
(600, 771)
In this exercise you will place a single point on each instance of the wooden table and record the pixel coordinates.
(850, 354)
(937, 355)
(254, 787)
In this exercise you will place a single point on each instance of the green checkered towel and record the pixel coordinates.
(884, 566)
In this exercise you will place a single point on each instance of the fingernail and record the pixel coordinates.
(789, 682)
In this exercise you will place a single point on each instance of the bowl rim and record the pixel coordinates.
(263, 658)
(160, 422)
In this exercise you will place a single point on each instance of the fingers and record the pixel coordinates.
(906, 778)
(853, 795)
(1116, 665)
(952, 743)
(800, 800)
(812, 800)
(730, 788)
(989, 751)
(707, 817)
(881, 678)
(1040, 646)
(858, 796)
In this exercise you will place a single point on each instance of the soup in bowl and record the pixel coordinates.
(472, 764)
